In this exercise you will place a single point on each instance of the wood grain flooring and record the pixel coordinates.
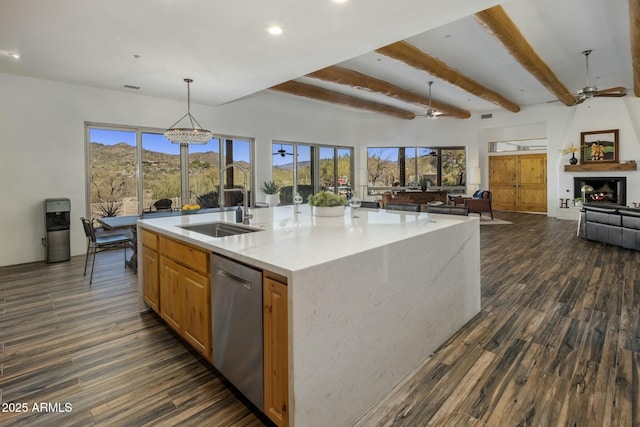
(65, 342)
(557, 343)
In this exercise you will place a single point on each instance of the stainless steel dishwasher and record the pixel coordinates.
(236, 305)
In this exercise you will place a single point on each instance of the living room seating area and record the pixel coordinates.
(611, 224)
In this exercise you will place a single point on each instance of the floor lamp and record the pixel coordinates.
(475, 177)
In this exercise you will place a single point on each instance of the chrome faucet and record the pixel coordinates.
(245, 201)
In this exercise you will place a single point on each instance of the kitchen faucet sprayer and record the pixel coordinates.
(245, 202)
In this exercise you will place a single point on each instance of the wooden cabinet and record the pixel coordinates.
(150, 267)
(176, 284)
(170, 295)
(276, 358)
(519, 182)
(196, 313)
(185, 293)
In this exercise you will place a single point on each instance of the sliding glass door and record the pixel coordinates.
(130, 169)
(305, 169)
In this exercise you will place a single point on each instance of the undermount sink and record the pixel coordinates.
(219, 229)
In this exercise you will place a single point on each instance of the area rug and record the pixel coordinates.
(486, 220)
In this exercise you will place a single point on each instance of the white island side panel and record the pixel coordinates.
(361, 324)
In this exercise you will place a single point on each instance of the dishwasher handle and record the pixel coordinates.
(239, 280)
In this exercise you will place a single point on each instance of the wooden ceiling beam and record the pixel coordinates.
(411, 55)
(345, 76)
(634, 31)
(309, 91)
(496, 20)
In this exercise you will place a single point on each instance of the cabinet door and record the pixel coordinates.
(170, 295)
(276, 361)
(197, 311)
(150, 282)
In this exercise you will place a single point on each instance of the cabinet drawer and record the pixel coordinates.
(149, 239)
(186, 255)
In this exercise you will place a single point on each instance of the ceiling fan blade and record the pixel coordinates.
(611, 95)
(622, 91)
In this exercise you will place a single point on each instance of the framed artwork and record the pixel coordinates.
(599, 146)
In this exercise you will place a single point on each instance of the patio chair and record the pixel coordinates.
(163, 205)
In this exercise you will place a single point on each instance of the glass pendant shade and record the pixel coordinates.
(188, 135)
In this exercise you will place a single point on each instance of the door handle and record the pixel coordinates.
(238, 280)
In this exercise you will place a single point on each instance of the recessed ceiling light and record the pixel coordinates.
(14, 55)
(275, 30)
(339, 1)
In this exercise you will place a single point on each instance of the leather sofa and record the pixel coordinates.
(611, 224)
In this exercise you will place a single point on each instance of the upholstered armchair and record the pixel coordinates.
(480, 202)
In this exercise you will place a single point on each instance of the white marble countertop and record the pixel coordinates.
(290, 241)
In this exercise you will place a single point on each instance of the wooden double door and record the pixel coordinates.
(519, 182)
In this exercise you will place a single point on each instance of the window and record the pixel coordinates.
(112, 172)
(413, 167)
(161, 177)
(306, 169)
(518, 145)
(124, 163)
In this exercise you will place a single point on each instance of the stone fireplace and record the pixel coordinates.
(605, 189)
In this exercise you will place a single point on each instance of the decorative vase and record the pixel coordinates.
(573, 159)
(271, 200)
(328, 210)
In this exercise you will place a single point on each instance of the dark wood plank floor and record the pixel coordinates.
(557, 343)
(63, 341)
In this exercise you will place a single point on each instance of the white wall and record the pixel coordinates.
(43, 149)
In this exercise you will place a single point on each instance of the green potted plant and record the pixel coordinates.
(271, 189)
(423, 183)
(327, 203)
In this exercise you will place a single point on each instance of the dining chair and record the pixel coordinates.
(98, 244)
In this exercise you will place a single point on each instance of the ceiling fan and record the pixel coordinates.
(431, 113)
(282, 152)
(591, 91)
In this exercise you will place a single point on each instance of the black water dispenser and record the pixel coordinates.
(58, 222)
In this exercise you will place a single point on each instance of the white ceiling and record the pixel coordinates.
(225, 48)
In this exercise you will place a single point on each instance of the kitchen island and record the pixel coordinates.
(368, 298)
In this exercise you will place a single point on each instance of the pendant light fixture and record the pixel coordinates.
(193, 135)
(431, 113)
